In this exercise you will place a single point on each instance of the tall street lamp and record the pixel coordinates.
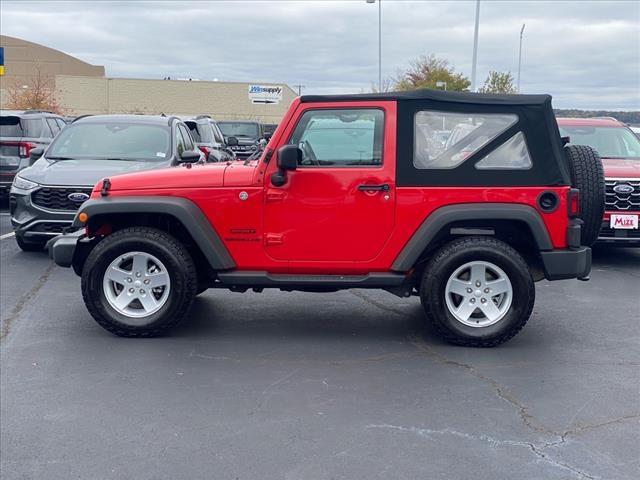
(520, 55)
(475, 48)
(379, 42)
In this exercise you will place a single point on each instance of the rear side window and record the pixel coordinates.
(511, 155)
(444, 140)
(199, 131)
(53, 125)
(340, 138)
(11, 126)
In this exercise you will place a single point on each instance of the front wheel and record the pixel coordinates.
(477, 292)
(139, 282)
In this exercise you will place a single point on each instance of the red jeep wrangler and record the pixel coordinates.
(354, 191)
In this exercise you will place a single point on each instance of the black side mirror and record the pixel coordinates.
(289, 156)
(232, 141)
(35, 154)
(189, 156)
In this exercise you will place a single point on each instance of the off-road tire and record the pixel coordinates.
(27, 246)
(168, 250)
(455, 254)
(587, 175)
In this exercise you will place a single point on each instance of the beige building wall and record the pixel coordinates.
(23, 59)
(79, 95)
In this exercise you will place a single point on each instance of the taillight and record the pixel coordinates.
(24, 148)
(573, 202)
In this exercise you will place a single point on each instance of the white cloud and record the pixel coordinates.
(586, 54)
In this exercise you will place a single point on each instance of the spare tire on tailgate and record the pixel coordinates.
(587, 175)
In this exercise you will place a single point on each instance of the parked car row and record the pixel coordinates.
(20, 132)
(49, 165)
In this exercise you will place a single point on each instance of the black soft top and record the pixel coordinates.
(436, 95)
(536, 121)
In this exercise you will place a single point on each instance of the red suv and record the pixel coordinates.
(352, 192)
(619, 148)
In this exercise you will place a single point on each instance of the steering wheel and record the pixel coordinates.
(308, 155)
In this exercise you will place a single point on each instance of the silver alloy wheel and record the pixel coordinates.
(136, 285)
(478, 294)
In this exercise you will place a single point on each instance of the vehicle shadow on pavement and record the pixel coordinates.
(286, 315)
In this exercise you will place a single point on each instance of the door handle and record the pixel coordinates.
(368, 188)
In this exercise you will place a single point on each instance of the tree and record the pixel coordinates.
(498, 82)
(37, 93)
(426, 72)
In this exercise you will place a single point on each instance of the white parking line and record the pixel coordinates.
(7, 235)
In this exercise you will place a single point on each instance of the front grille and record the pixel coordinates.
(622, 201)
(57, 198)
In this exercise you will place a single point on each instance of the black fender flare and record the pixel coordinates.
(182, 209)
(443, 216)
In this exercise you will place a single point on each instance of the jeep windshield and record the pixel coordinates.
(239, 129)
(610, 142)
(114, 141)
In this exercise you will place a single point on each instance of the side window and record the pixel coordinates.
(188, 141)
(217, 134)
(443, 140)
(61, 123)
(511, 155)
(340, 137)
(53, 125)
(46, 129)
(180, 147)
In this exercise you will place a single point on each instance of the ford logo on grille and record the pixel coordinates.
(78, 197)
(623, 188)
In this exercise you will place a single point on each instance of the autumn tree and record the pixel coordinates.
(37, 93)
(427, 72)
(498, 82)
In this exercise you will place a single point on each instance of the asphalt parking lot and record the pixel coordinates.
(318, 386)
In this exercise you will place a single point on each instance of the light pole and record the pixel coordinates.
(379, 42)
(475, 48)
(520, 55)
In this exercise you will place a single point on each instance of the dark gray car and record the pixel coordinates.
(45, 196)
(20, 132)
(248, 133)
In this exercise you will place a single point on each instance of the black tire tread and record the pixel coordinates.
(156, 236)
(432, 268)
(587, 174)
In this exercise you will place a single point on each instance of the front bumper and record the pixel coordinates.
(564, 264)
(35, 223)
(62, 248)
(620, 237)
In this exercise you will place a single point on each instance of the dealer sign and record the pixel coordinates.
(267, 94)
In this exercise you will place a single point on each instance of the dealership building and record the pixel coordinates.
(82, 88)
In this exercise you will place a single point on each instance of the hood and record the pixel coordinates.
(621, 167)
(179, 177)
(82, 172)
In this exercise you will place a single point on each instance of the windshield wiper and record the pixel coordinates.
(60, 158)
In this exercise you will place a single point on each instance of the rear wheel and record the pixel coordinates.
(477, 292)
(587, 175)
(139, 282)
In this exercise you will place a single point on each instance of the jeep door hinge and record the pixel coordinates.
(273, 239)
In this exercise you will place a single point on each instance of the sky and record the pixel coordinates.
(584, 53)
